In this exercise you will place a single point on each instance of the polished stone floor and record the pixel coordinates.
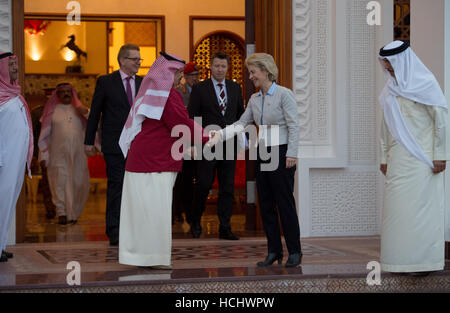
(206, 265)
(91, 224)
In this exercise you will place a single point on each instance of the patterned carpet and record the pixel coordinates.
(208, 265)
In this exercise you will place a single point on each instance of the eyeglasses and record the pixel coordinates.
(135, 59)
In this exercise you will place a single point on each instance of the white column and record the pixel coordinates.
(337, 79)
(430, 40)
(447, 95)
(427, 34)
(5, 26)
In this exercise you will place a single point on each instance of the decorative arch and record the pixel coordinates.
(225, 41)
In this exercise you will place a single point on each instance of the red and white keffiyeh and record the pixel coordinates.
(46, 120)
(151, 98)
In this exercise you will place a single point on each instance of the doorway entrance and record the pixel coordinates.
(258, 15)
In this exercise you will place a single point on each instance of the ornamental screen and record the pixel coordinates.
(221, 42)
(402, 19)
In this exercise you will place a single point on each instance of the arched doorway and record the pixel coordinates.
(224, 41)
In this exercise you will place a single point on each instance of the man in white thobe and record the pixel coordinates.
(62, 149)
(413, 158)
(16, 145)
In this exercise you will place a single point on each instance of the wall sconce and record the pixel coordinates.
(35, 53)
(69, 55)
(35, 57)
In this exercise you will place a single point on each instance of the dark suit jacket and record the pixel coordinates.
(203, 103)
(110, 102)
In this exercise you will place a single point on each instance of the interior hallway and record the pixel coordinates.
(206, 265)
(91, 224)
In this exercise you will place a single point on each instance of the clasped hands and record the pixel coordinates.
(90, 150)
(216, 136)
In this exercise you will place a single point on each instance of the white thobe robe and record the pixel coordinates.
(68, 173)
(14, 139)
(412, 234)
(146, 219)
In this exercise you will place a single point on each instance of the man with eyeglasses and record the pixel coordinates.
(111, 103)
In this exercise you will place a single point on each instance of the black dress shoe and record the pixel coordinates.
(73, 222)
(196, 230)
(294, 260)
(62, 220)
(3, 258)
(9, 255)
(271, 257)
(50, 215)
(419, 274)
(228, 235)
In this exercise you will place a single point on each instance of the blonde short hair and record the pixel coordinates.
(265, 62)
(124, 51)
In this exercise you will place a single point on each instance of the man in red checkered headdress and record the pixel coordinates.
(145, 235)
(16, 144)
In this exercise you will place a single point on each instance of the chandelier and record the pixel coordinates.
(34, 27)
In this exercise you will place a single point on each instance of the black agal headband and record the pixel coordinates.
(403, 47)
(4, 55)
(171, 58)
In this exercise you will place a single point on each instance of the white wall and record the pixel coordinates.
(447, 94)
(176, 14)
(5, 26)
(430, 40)
(428, 35)
(337, 80)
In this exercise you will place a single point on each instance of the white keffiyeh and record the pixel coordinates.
(414, 81)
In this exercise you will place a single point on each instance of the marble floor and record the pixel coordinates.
(203, 265)
(91, 224)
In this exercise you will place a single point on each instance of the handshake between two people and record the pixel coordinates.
(215, 136)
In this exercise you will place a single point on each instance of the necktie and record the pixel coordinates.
(222, 99)
(129, 92)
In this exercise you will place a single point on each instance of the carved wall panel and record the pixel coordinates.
(5, 26)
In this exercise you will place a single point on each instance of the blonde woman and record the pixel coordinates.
(273, 105)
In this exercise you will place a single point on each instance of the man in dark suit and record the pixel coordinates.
(113, 97)
(218, 101)
(183, 190)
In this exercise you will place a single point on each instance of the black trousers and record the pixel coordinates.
(183, 191)
(206, 171)
(115, 171)
(276, 198)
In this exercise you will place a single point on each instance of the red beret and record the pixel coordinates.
(190, 67)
